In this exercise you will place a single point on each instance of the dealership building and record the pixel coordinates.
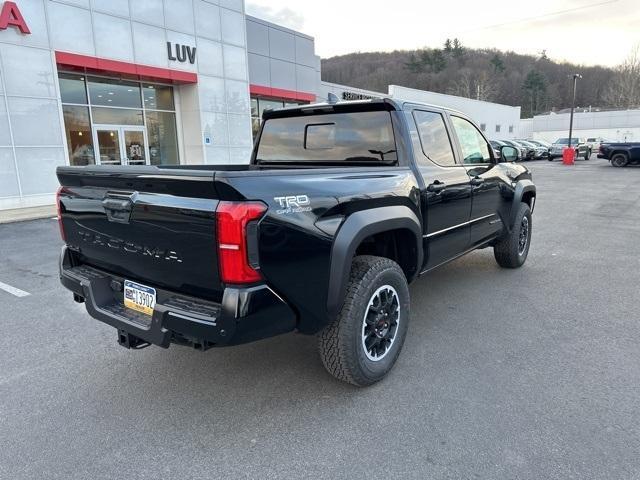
(154, 82)
(608, 125)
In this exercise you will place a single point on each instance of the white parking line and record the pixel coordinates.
(13, 290)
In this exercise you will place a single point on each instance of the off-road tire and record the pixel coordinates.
(340, 343)
(550, 158)
(507, 249)
(619, 160)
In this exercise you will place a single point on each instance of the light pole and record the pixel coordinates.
(576, 76)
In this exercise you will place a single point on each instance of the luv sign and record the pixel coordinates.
(181, 53)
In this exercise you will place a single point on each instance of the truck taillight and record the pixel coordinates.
(235, 244)
(59, 208)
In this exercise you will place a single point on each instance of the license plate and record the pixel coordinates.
(139, 297)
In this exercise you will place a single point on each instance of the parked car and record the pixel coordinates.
(522, 150)
(579, 144)
(541, 143)
(539, 152)
(620, 154)
(594, 143)
(497, 145)
(342, 205)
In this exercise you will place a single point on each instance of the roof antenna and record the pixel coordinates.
(332, 98)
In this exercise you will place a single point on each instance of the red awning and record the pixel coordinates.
(133, 70)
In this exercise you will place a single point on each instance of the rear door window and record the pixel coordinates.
(436, 144)
(358, 137)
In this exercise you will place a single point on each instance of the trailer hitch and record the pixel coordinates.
(127, 340)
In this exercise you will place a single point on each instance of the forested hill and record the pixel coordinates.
(538, 84)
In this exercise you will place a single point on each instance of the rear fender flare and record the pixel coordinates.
(354, 230)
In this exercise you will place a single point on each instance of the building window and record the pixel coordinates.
(510, 128)
(118, 121)
(497, 128)
(78, 130)
(483, 127)
(260, 104)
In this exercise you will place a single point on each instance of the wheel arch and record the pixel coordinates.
(525, 192)
(619, 152)
(392, 222)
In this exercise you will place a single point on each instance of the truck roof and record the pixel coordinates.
(382, 103)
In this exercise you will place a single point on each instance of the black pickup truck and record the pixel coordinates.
(620, 154)
(341, 206)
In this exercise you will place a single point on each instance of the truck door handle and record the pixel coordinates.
(477, 181)
(436, 187)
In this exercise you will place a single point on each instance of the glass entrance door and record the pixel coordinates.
(120, 145)
(108, 143)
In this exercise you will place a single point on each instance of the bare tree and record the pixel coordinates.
(477, 85)
(624, 87)
(486, 87)
(463, 85)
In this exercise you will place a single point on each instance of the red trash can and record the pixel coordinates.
(568, 156)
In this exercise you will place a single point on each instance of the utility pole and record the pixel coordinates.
(576, 76)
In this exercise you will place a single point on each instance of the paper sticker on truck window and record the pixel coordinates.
(293, 204)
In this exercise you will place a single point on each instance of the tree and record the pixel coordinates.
(623, 90)
(434, 59)
(448, 48)
(498, 64)
(486, 87)
(376, 70)
(535, 85)
(414, 65)
(458, 51)
(463, 85)
(469, 84)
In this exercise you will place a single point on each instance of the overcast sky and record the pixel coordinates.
(584, 31)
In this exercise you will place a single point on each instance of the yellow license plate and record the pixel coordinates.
(139, 297)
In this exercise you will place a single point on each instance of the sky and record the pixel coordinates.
(587, 32)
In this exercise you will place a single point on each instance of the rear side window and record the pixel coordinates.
(434, 138)
(359, 137)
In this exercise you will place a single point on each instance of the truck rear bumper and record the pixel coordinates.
(244, 315)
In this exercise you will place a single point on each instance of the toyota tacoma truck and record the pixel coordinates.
(620, 154)
(341, 206)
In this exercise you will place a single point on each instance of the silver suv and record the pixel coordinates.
(579, 144)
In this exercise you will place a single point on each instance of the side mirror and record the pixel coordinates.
(508, 154)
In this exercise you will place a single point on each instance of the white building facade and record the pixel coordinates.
(613, 126)
(118, 82)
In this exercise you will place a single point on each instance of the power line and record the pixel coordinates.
(551, 14)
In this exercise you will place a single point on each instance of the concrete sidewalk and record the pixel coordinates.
(23, 214)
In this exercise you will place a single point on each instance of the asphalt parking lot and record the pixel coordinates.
(532, 373)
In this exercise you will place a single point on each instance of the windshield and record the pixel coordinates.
(357, 137)
(565, 141)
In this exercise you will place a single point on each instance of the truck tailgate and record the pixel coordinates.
(149, 225)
